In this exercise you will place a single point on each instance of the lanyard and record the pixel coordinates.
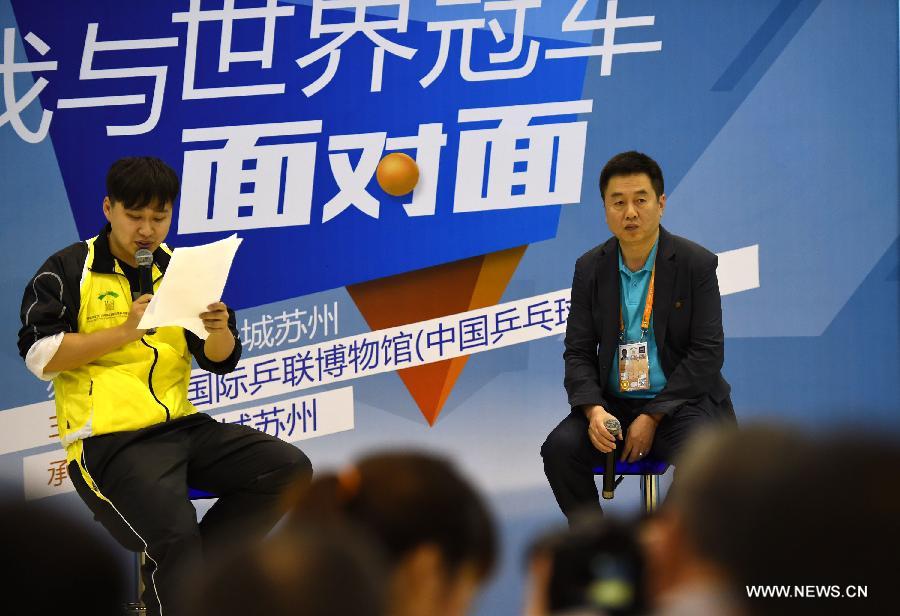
(648, 309)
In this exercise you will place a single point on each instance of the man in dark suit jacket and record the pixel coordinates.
(685, 339)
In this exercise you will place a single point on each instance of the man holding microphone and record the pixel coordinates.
(134, 442)
(644, 342)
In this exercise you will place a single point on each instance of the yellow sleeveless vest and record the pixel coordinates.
(138, 385)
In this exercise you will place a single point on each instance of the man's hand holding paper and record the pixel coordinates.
(190, 293)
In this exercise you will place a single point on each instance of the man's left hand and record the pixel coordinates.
(215, 320)
(639, 438)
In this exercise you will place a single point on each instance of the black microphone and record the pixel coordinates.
(612, 426)
(144, 260)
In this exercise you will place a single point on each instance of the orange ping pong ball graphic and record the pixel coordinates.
(397, 174)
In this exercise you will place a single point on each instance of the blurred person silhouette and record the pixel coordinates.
(308, 570)
(435, 529)
(766, 507)
(56, 565)
(685, 541)
(593, 568)
(835, 540)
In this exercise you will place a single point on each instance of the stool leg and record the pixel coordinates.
(141, 561)
(136, 607)
(650, 492)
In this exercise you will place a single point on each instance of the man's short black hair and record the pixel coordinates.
(139, 181)
(632, 163)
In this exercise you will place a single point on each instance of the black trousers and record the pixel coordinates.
(570, 457)
(145, 475)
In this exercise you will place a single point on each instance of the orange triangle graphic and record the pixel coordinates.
(430, 293)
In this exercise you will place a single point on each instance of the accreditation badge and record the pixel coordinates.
(634, 367)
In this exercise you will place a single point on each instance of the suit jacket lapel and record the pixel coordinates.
(666, 269)
(607, 298)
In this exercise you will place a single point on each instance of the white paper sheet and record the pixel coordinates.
(194, 279)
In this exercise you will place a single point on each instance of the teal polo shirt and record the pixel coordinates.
(633, 288)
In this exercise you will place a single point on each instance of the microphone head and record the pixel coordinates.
(143, 257)
(612, 425)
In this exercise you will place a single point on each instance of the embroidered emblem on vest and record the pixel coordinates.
(109, 300)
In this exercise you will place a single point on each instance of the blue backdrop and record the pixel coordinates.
(775, 123)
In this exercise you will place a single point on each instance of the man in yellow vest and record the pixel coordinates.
(133, 440)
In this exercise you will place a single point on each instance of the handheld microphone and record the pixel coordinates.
(144, 260)
(612, 426)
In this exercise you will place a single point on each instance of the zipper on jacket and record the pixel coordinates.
(150, 377)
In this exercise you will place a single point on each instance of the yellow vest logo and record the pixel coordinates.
(109, 300)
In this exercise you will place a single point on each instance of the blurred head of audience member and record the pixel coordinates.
(55, 565)
(593, 567)
(308, 570)
(766, 507)
(433, 526)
